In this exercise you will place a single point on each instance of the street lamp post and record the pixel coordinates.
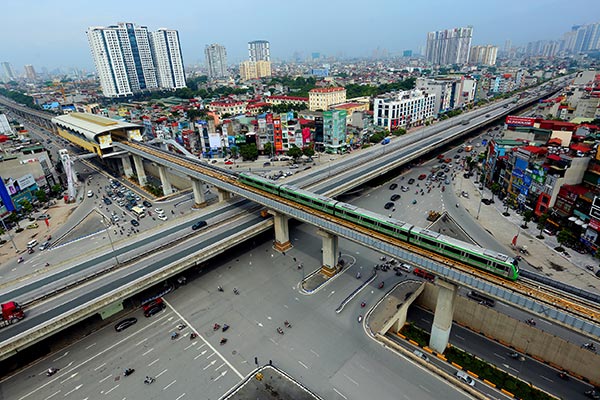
(10, 236)
(112, 246)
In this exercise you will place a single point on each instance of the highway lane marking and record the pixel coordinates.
(198, 348)
(499, 356)
(209, 365)
(548, 379)
(161, 373)
(204, 340)
(70, 377)
(180, 397)
(169, 385)
(272, 340)
(63, 356)
(337, 391)
(52, 395)
(219, 367)
(90, 346)
(331, 294)
(258, 323)
(148, 351)
(315, 353)
(459, 337)
(351, 380)
(210, 356)
(425, 389)
(103, 379)
(220, 376)
(141, 341)
(304, 365)
(99, 366)
(72, 390)
(191, 345)
(153, 362)
(111, 389)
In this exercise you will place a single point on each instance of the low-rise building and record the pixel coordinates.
(403, 109)
(322, 98)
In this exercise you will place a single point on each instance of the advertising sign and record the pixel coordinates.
(214, 140)
(515, 120)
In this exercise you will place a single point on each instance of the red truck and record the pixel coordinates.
(11, 313)
(424, 274)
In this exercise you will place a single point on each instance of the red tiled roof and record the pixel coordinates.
(580, 147)
(348, 105)
(554, 157)
(535, 149)
(289, 98)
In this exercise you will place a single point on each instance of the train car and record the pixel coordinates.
(307, 198)
(371, 220)
(496, 263)
(259, 182)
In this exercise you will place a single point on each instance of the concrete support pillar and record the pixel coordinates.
(442, 319)
(282, 232)
(139, 168)
(330, 252)
(223, 194)
(198, 188)
(164, 180)
(127, 166)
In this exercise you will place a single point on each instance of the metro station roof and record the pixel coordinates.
(91, 125)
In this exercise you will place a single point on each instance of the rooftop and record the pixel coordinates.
(327, 90)
(86, 124)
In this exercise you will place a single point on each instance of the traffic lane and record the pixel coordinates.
(535, 372)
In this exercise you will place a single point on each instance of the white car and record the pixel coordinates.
(465, 378)
(159, 211)
(90, 193)
(162, 217)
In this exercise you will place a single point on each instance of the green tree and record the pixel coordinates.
(26, 206)
(56, 189)
(541, 224)
(308, 152)
(294, 152)
(249, 152)
(268, 148)
(495, 188)
(234, 151)
(377, 137)
(527, 216)
(564, 236)
(13, 218)
(40, 195)
(399, 132)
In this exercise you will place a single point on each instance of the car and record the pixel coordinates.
(395, 197)
(405, 267)
(126, 323)
(440, 156)
(460, 150)
(42, 217)
(549, 232)
(33, 225)
(198, 225)
(115, 218)
(456, 156)
(134, 222)
(141, 206)
(162, 217)
(411, 181)
(393, 186)
(107, 201)
(121, 203)
(465, 378)
(447, 181)
(129, 206)
(90, 193)
(45, 245)
(228, 162)
(487, 115)
(404, 188)
(213, 161)
(294, 166)
(146, 203)
(422, 177)
(447, 160)
(266, 164)
(153, 310)
(388, 205)
(421, 355)
(159, 211)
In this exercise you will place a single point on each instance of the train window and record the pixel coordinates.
(452, 250)
(478, 259)
(428, 241)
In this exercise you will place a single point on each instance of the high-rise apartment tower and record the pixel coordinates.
(216, 60)
(450, 46)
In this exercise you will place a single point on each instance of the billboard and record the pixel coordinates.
(515, 120)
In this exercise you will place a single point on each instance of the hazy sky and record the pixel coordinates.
(52, 33)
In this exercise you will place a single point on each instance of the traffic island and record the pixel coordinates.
(270, 383)
(321, 276)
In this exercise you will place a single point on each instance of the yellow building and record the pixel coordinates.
(322, 98)
(254, 70)
(263, 68)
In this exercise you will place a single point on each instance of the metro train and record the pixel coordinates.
(477, 257)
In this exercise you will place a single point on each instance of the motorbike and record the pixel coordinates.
(235, 291)
(219, 288)
(51, 371)
(414, 201)
(563, 376)
(193, 335)
(456, 205)
(30, 251)
(180, 326)
(149, 380)
(360, 317)
(223, 341)
(381, 285)
(443, 188)
(216, 327)
(287, 324)
(174, 335)
(358, 275)
(363, 304)
(20, 260)
(514, 355)
(280, 331)
(128, 371)
(225, 327)
(530, 322)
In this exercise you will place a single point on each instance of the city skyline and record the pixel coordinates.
(400, 27)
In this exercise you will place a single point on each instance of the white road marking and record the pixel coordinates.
(161, 373)
(141, 341)
(220, 376)
(258, 323)
(210, 355)
(90, 346)
(180, 397)
(72, 390)
(338, 392)
(315, 353)
(52, 395)
(351, 380)
(169, 385)
(285, 306)
(103, 379)
(548, 379)
(204, 340)
(499, 356)
(425, 389)
(459, 337)
(148, 351)
(209, 365)
(269, 318)
(99, 366)
(63, 356)
(198, 348)
(191, 345)
(111, 389)
(272, 340)
(219, 367)
(331, 294)
(153, 362)
(304, 365)
(71, 377)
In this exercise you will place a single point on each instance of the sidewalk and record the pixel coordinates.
(541, 256)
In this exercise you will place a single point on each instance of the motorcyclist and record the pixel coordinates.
(358, 275)
(279, 330)
(219, 288)
(236, 291)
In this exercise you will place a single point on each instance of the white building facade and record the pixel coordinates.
(403, 109)
(450, 46)
(216, 60)
(166, 52)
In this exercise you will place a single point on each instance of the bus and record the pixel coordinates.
(138, 212)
